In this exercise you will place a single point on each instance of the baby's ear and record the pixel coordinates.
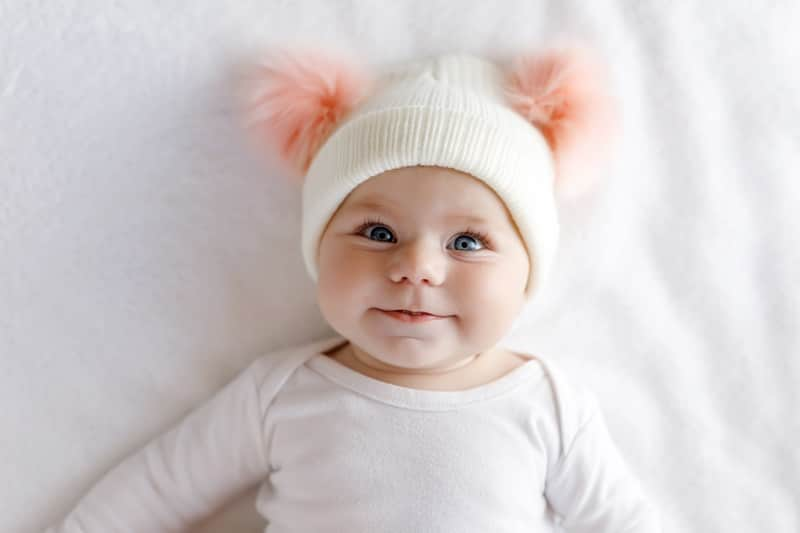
(294, 99)
(563, 93)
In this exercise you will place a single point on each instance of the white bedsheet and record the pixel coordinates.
(147, 253)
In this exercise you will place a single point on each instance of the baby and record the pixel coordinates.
(429, 221)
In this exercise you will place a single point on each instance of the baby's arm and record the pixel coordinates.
(590, 485)
(188, 472)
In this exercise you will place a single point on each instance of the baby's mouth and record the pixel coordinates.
(411, 315)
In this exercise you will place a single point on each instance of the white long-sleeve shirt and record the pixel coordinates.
(338, 451)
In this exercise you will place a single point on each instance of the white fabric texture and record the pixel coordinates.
(334, 450)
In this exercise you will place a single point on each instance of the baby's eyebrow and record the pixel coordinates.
(373, 205)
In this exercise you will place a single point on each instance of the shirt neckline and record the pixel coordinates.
(423, 399)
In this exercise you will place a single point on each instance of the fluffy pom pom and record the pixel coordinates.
(562, 92)
(297, 98)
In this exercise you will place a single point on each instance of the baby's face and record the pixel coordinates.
(398, 241)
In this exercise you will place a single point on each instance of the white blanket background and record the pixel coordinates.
(147, 253)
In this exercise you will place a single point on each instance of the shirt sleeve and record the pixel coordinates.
(591, 487)
(185, 474)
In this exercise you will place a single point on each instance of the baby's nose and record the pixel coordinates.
(419, 262)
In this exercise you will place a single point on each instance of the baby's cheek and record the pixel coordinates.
(490, 301)
(348, 268)
(333, 280)
(332, 261)
(345, 277)
(475, 283)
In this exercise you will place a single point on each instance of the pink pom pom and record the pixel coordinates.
(562, 93)
(298, 98)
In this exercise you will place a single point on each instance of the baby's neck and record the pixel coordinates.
(485, 368)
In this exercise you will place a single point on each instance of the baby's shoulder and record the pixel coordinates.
(574, 403)
(271, 369)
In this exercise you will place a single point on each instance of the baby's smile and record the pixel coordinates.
(411, 317)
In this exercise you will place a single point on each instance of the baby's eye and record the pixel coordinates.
(379, 231)
(463, 242)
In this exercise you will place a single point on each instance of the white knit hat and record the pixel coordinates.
(515, 128)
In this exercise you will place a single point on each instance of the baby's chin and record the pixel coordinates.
(408, 352)
(406, 342)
